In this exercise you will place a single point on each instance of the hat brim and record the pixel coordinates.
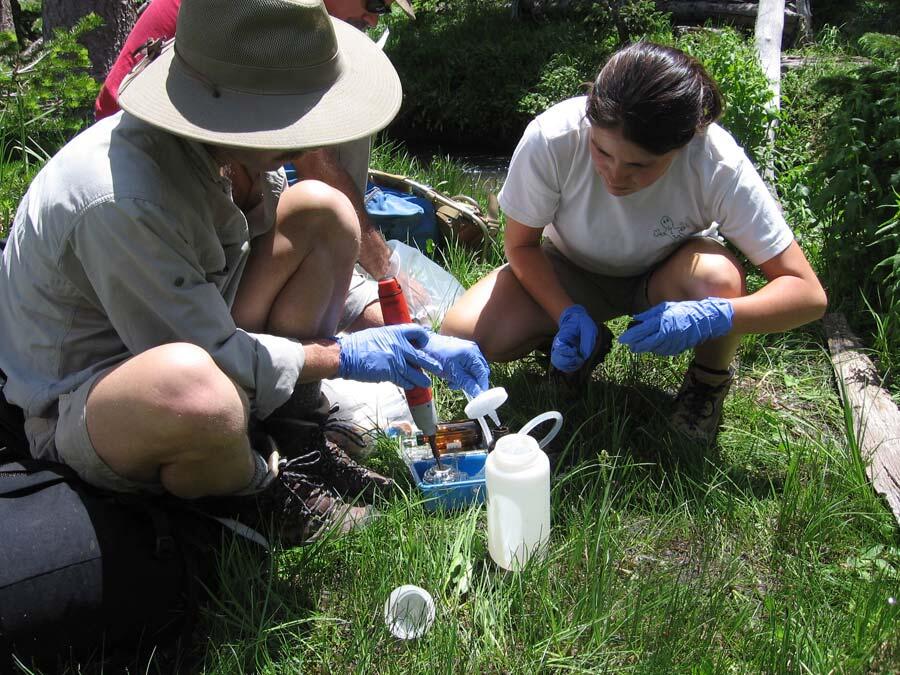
(362, 101)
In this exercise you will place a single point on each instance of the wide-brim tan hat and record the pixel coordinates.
(264, 74)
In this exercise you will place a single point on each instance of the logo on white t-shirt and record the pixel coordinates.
(667, 228)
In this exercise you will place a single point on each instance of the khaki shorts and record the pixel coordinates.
(604, 297)
(64, 438)
(62, 435)
(363, 292)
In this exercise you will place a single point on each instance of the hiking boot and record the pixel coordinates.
(698, 405)
(350, 437)
(299, 507)
(305, 441)
(577, 379)
(296, 505)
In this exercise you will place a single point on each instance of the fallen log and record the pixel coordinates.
(743, 12)
(796, 16)
(793, 62)
(875, 414)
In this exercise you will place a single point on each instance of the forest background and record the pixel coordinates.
(768, 552)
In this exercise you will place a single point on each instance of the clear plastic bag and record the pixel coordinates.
(430, 290)
(365, 408)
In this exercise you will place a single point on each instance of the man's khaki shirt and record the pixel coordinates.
(129, 239)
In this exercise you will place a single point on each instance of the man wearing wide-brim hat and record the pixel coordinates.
(148, 318)
(343, 166)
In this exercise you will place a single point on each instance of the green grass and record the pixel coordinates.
(768, 552)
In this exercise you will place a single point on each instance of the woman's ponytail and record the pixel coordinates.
(711, 102)
(658, 96)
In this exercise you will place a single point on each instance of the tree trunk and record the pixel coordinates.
(7, 25)
(769, 29)
(804, 22)
(103, 44)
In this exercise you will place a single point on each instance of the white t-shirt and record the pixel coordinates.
(710, 187)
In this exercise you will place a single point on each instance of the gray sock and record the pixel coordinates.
(262, 477)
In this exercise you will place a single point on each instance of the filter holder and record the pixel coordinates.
(486, 404)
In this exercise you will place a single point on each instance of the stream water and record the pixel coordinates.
(489, 168)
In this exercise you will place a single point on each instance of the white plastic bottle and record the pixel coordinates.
(517, 478)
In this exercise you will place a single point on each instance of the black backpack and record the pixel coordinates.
(84, 571)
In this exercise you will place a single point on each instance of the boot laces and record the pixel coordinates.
(310, 496)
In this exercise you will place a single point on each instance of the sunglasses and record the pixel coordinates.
(379, 7)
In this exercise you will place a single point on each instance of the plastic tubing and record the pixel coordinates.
(540, 419)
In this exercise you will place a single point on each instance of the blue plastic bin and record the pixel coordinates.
(458, 495)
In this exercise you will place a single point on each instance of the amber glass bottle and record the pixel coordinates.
(458, 436)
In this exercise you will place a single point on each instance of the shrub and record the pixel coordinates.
(858, 175)
(473, 75)
(42, 105)
(859, 17)
(731, 61)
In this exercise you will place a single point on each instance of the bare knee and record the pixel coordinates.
(323, 215)
(496, 350)
(500, 316)
(716, 276)
(196, 399)
(458, 323)
(497, 344)
(699, 270)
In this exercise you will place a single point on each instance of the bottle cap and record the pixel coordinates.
(486, 404)
(515, 452)
(409, 612)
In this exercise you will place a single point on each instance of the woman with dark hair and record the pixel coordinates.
(632, 189)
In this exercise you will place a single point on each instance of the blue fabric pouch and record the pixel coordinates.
(398, 215)
(402, 216)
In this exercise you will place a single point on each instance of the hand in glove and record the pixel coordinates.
(671, 327)
(387, 354)
(462, 363)
(575, 339)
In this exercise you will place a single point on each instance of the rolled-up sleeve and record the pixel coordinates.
(155, 285)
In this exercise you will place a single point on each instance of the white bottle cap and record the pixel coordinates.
(409, 612)
(515, 451)
(486, 404)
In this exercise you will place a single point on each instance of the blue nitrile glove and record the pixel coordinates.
(387, 354)
(575, 339)
(462, 363)
(671, 327)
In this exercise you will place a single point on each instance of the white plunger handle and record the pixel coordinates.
(485, 432)
(540, 419)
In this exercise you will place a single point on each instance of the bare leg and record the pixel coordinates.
(371, 317)
(171, 414)
(702, 269)
(298, 274)
(500, 315)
